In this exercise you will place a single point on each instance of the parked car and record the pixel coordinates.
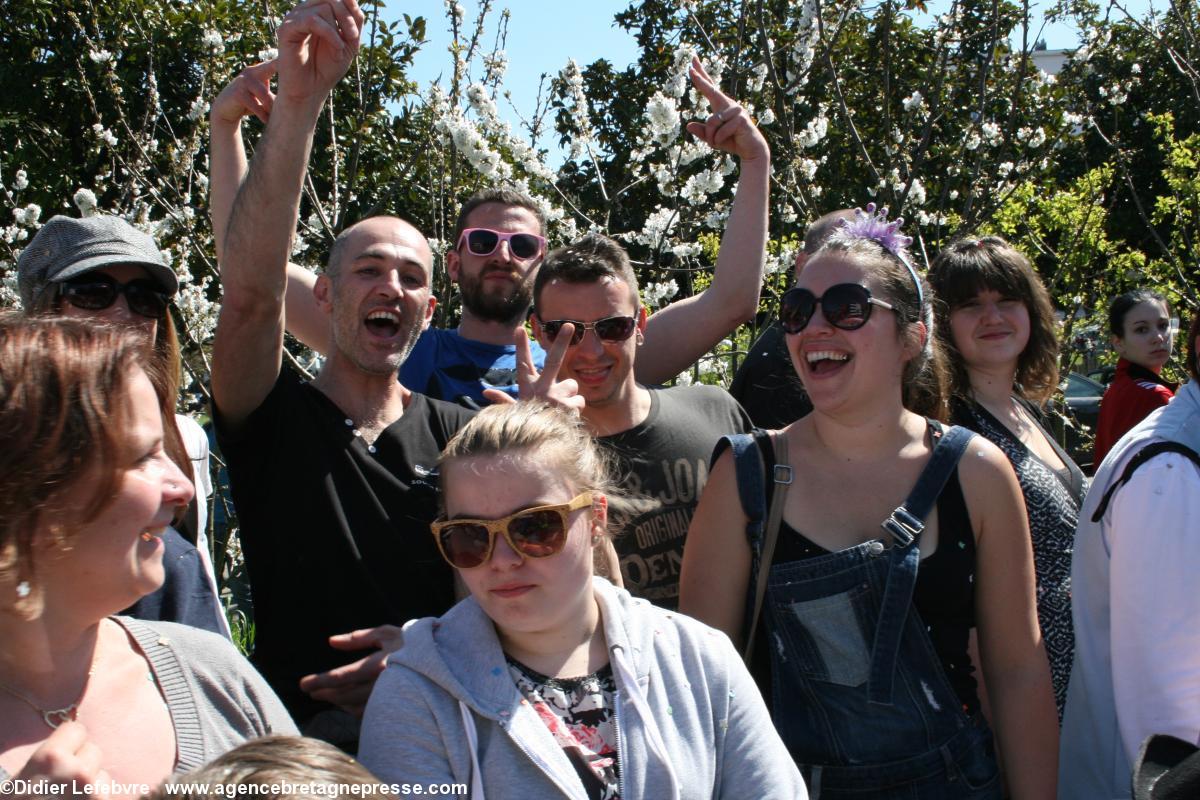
(1082, 395)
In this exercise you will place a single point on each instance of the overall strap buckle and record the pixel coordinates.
(903, 526)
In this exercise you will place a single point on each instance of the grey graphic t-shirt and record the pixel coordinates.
(665, 460)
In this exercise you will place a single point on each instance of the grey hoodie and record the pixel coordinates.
(691, 723)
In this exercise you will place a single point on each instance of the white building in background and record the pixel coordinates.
(1050, 61)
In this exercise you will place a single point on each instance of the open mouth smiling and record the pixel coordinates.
(383, 323)
(822, 362)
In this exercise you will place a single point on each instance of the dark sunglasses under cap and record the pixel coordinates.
(66, 248)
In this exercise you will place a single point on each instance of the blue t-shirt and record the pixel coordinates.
(446, 366)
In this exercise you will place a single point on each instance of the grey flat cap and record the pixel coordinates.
(67, 247)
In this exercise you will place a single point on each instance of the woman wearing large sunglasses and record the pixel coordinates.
(896, 536)
(996, 322)
(547, 681)
(102, 268)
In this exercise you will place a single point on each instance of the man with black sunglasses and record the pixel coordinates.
(662, 438)
(496, 248)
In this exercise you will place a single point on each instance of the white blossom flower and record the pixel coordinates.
(100, 56)
(913, 102)
(916, 193)
(766, 118)
(807, 168)
(758, 76)
(104, 135)
(680, 64)
(782, 261)
(31, 214)
(85, 201)
(813, 132)
(657, 226)
(496, 65)
(699, 186)
(663, 117)
(213, 41)
(1075, 121)
(991, 133)
(655, 295)
(21, 180)
(268, 54)
(1005, 168)
(9, 296)
(973, 141)
(199, 109)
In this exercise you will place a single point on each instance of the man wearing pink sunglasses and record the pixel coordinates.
(493, 259)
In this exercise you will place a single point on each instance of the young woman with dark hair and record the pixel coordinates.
(1140, 325)
(997, 324)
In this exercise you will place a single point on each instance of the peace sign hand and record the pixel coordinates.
(544, 385)
(729, 127)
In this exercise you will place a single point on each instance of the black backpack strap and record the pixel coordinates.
(1141, 457)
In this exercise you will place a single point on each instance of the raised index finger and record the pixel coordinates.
(718, 100)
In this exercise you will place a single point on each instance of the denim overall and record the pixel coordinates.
(859, 695)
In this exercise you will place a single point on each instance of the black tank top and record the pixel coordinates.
(944, 595)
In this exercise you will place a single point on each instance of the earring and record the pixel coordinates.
(640, 339)
(23, 589)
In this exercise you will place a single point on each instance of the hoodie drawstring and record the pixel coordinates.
(653, 736)
(473, 744)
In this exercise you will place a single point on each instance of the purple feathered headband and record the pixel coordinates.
(874, 225)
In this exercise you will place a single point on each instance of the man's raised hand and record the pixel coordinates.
(318, 40)
(728, 127)
(248, 93)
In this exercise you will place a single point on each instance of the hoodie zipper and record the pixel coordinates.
(620, 755)
(538, 762)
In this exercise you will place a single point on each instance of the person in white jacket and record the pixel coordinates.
(1137, 655)
(548, 681)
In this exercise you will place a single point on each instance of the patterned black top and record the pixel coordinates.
(1052, 500)
(581, 715)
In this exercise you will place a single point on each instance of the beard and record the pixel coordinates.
(493, 306)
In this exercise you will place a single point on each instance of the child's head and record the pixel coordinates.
(278, 768)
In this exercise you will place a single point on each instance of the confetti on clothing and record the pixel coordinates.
(581, 716)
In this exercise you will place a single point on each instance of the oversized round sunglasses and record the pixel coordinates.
(484, 241)
(846, 306)
(538, 532)
(609, 329)
(97, 292)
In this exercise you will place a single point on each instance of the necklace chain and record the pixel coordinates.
(53, 717)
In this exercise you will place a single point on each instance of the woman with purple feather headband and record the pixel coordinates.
(862, 648)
